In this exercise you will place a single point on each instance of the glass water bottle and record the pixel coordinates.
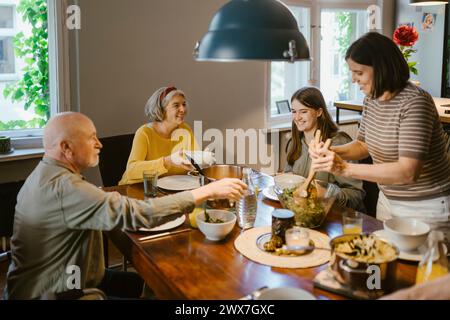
(246, 206)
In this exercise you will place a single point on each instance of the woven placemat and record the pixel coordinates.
(245, 243)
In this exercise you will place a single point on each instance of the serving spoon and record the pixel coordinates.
(301, 250)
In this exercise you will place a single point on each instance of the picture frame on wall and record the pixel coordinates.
(283, 106)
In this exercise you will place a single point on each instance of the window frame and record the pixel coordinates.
(58, 46)
(316, 8)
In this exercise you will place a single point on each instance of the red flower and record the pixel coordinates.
(405, 36)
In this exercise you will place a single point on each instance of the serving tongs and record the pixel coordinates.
(198, 168)
(302, 191)
(202, 178)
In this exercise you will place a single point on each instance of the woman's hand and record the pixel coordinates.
(177, 159)
(228, 188)
(324, 159)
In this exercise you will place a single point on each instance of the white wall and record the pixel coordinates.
(130, 48)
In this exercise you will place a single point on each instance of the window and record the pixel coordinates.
(7, 31)
(7, 63)
(340, 27)
(6, 16)
(329, 28)
(287, 77)
(29, 92)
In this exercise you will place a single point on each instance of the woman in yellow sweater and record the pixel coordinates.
(159, 144)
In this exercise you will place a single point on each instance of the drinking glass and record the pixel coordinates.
(352, 222)
(150, 183)
(297, 237)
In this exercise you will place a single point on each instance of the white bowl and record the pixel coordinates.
(216, 231)
(288, 180)
(203, 158)
(285, 293)
(406, 233)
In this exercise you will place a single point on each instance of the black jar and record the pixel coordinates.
(282, 219)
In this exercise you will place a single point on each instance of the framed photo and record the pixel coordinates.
(283, 106)
(428, 21)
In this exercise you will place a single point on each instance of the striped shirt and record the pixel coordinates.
(408, 125)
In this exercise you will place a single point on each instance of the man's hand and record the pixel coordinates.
(228, 188)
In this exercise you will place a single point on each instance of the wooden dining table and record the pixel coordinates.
(187, 266)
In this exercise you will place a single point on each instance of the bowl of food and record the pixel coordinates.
(217, 224)
(309, 211)
(406, 233)
(357, 258)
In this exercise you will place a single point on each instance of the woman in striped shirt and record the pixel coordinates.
(400, 129)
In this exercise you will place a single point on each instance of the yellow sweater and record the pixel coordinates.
(149, 149)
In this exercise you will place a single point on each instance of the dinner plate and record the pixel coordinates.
(269, 193)
(285, 293)
(178, 183)
(415, 255)
(166, 226)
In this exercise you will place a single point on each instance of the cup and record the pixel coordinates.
(150, 183)
(282, 220)
(352, 222)
(5, 145)
(297, 236)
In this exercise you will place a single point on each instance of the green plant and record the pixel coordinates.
(33, 88)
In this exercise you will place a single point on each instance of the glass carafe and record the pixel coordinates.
(434, 263)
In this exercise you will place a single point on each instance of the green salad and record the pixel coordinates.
(309, 212)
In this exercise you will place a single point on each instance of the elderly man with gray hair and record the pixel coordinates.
(158, 145)
(59, 216)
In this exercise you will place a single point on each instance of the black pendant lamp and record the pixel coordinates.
(253, 30)
(426, 2)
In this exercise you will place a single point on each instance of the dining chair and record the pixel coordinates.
(113, 162)
(114, 157)
(8, 200)
(76, 294)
